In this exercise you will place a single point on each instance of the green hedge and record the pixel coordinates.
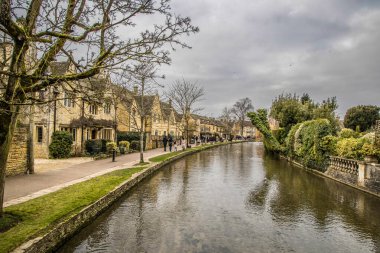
(98, 146)
(135, 145)
(61, 144)
(305, 143)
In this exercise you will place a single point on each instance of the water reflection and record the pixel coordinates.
(235, 199)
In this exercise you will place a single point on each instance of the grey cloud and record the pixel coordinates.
(262, 48)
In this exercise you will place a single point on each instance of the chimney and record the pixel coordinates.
(135, 90)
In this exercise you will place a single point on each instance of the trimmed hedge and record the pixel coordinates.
(98, 146)
(61, 144)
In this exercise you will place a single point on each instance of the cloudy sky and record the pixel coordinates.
(262, 48)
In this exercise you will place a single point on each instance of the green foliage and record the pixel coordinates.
(129, 136)
(290, 110)
(135, 145)
(369, 149)
(351, 148)
(270, 142)
(280, 135)
(305, 143)
(94, 147)
(111, 146)
(328, 145)
(348, 133)
(124, 144)
(263, 115)
(61, 144)
(362, 117)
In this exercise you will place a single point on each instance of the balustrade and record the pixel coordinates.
(345, 165)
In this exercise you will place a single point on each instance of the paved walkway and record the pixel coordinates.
(21, 188)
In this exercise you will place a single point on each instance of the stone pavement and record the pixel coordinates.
(21, 188)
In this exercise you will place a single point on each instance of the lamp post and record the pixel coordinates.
(55, 94)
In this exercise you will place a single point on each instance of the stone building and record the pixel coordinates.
(81, 109)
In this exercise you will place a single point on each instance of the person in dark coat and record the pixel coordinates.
(165, 141)
(170, 140)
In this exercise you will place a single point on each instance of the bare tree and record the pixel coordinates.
(184, 95)
(90, 34)
(145, 74)
(227, 120)
(240, 110)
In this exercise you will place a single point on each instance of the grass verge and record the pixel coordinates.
(37, 215)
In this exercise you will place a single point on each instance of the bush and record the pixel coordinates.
(135, 145)
(61, 144)
(304, 142)
(111, 146)
(328, 145)
(351, 148)
(348, 133)
(280, 135)
(125, 144)
(96, 146)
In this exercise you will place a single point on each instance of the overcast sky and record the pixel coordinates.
(262, 48)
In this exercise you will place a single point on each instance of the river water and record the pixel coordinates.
(235, 199)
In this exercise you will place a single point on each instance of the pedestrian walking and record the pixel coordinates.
(175, 145)
(165, 142)
(170, 140)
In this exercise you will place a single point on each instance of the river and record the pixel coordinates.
(235, 198)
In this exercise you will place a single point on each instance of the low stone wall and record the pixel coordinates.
(17, 157)
(346, 170)
(66, 229)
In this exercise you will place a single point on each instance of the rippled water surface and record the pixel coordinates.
(235, 199)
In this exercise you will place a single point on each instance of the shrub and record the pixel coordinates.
(350, 148)
(61, 144)
(348, 133)
(135, 145)
(96, 146)
(369, 149)
(111, 146)
(124, 144)
(305, 142)
(280, 135)
(328, 145)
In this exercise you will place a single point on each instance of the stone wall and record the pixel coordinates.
(345, 170)
(17, 158)
(359, 174)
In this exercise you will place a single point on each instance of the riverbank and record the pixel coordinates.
(49, 220)
(322, 174)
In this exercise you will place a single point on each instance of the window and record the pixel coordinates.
(107, 108)
(68, 100)
(107, 134)
(39, 134)
(93, 109)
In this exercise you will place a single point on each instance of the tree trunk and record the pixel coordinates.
(142, 140)
(7, 127)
